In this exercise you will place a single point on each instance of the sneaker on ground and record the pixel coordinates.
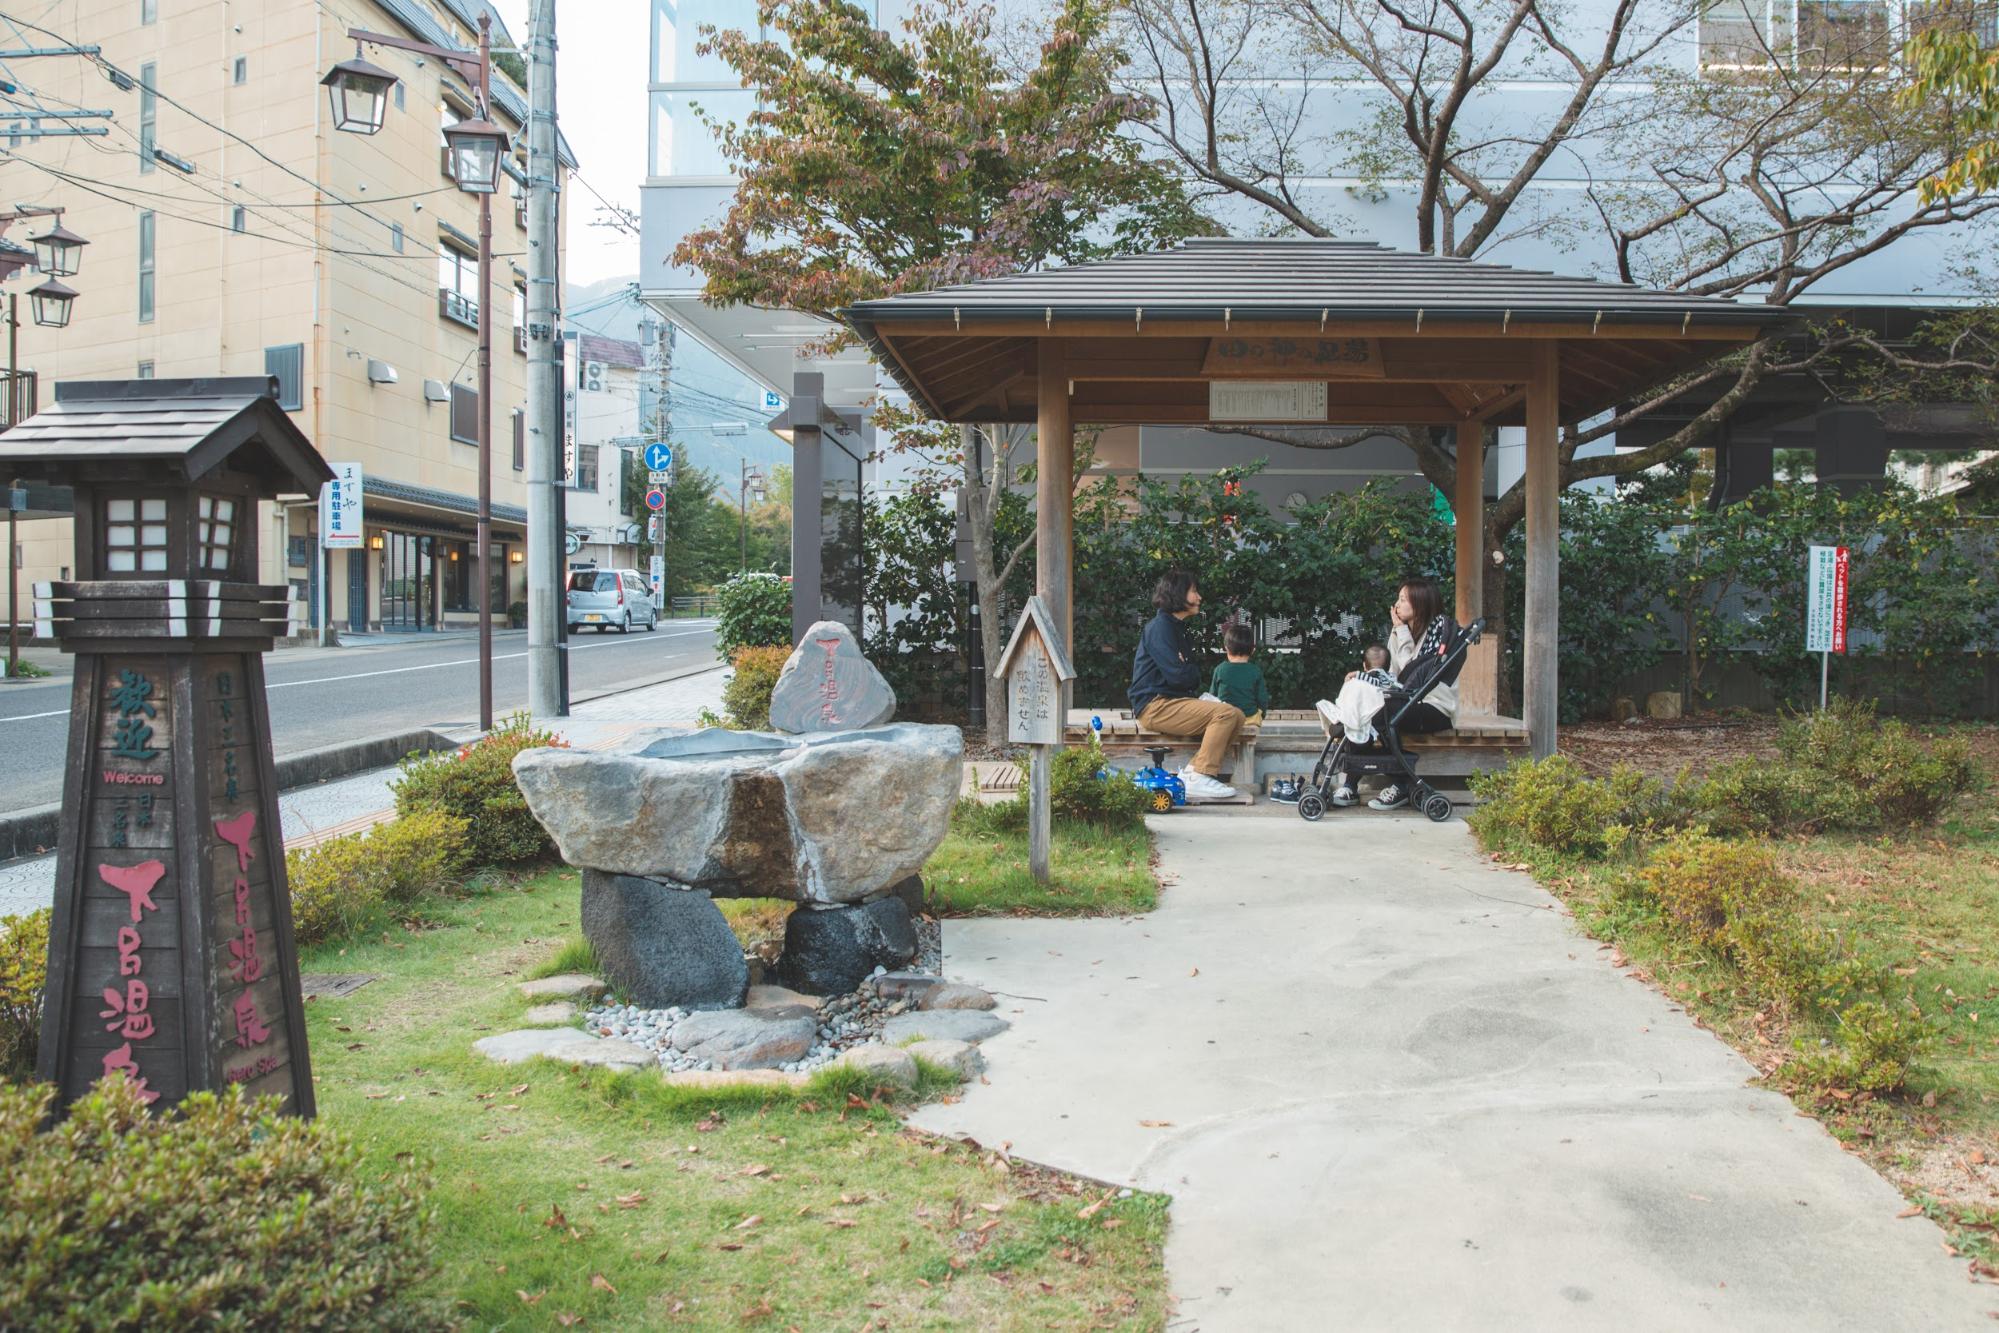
(1391, 798)
(1201, 787)
(1344, 796)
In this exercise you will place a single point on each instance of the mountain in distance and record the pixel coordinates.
(592, 308)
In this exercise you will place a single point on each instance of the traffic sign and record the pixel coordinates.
(652, 528)
(773, 401)
(655, 499)
(659, 478)
(659, 457)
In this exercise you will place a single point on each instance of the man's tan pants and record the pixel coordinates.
(1215, 724)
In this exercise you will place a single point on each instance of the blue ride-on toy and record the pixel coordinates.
(1167, 791)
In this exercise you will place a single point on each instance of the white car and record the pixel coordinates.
(610, 598)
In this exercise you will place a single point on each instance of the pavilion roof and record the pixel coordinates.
(939, 343)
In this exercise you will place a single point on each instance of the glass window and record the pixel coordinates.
(399, 93)
(145, 370)
(456, 562)
(288, 365)
(676, 32)
(149, 115)
(1735, 32)
(682, 144)
(520, 440)
(147, 227)
(135, 536)
(239, 219)
(149, 11)
(586, 468)
(458, 280)
(215, 528)
(242, 70)
(593, 581)
(396, 237)
(1842, 32)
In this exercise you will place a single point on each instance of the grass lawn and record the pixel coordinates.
(1093, 871)
(617, 1201)
(1925, 904)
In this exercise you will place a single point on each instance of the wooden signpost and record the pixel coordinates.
(1036, 671)
(170, 949)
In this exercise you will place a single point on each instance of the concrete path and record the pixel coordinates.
(1390, 1087)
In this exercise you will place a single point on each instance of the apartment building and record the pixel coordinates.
(235, 231)
(601, 411)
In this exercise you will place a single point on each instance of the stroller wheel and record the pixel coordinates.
(1310, 806)
(1437, 806)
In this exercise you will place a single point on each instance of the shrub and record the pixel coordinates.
(1842, 770)
(339, 884)
(747, 695)
(1080, 787)
(752, 611)
(475, 784)
(1872, 1051)
(226, 1215)
(24, 960)
(1552, 805)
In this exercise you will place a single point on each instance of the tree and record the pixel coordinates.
(1759, 181)
(878, 163)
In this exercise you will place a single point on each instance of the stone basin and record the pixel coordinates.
(830, 818)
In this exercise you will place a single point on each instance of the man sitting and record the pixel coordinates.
(1166, 687)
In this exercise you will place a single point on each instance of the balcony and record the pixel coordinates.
(18, 395)
(458, 309)
(520, 339)
(521, 211)
(444, 162)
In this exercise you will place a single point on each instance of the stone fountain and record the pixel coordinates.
(837, 816)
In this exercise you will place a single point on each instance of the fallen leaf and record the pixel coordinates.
(1195, 973)
(569, 1320)
(842, 1222)
(1911, 1211)
(1157, 1124)
(756, 1169)
(602, 1283)
(1087, 1213)
(1978, 1157)
(729, 1245)
(993, 1207)
(555, 1217)
(530, 1300)
(515, 1092)
(632, 1200)
(752, 1220)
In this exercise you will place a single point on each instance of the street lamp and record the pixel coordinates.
(52, 303)
(56, 254)
(359, 92)
(475, 147)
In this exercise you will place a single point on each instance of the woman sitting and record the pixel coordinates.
(1166, 687)
(1362, 708)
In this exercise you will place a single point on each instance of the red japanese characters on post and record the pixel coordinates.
(127, 1009)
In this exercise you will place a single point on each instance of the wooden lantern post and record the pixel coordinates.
(170, 949)
(1036, 670)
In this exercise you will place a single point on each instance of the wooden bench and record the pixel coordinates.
(1289, 740)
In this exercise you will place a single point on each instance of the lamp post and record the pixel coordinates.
(752, 477)
(359, 93)
(57, 253)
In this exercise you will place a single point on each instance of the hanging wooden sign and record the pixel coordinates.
(1312, 358)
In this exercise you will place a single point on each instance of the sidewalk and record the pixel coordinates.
(311, 814)
(1390, 1087)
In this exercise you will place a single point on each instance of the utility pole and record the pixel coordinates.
(749, 475)
(546, 553)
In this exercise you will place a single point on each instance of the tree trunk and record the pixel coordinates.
(981, 504)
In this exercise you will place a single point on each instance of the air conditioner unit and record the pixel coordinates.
(593, 376)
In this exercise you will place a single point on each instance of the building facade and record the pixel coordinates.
(258, 239)
(602, 404)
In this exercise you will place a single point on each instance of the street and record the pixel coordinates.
(377, 686)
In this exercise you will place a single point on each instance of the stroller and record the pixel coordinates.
(1339, 756)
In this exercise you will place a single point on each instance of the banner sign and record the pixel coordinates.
(1825, 603)
(340, 509)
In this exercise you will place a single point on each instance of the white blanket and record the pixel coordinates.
(1354, 710)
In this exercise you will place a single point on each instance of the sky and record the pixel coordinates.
(600, 92)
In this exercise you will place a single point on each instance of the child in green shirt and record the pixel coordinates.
(1239, 681)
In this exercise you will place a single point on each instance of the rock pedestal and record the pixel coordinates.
(830, 950)
(665, 946)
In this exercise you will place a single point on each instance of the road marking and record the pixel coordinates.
(621, 642)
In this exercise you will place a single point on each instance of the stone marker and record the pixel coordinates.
(747, 1038)
(831, 950)
(568, 986)
(941, 1024)
(827, 685)
(960, 1057)
(886, 1063)
(834, 818)
(665, 946)
(1663, 704)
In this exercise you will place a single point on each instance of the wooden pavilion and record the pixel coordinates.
(1311, 332)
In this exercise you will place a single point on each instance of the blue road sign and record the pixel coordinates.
(659, 457)
(655, 500)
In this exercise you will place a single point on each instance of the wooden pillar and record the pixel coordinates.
(1539, 682)
(1478, 682)
(1055, 454)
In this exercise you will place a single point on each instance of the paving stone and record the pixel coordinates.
(767, 997)
(510, 1048)
(885, 1063)
(586, 1050)
(568, 986)
(748, 1038)
(955, 995)
(941, 1024)
(960, 1057)
(560, 1014)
